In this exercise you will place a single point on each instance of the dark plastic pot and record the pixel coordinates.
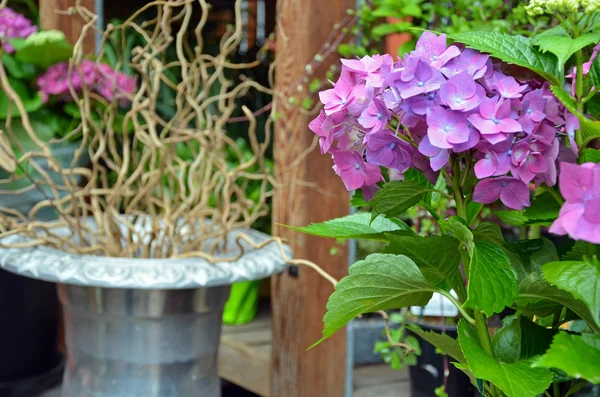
(428, 374)
(29, 356)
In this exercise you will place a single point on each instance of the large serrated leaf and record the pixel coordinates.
(396, 197)
(580, 278)
(513, 49)
(576, 355)
(543, 207)
(516, 379)
(558, 42)
(442, 342)
(520, 339)
(492, 281)
(380, 282)
(436, 256)
(357, 225)
(43, 48)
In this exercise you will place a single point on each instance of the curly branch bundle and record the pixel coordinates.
(145, 198)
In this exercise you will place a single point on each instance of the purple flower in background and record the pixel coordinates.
(579, 216)
(446, 127)
(425, 79)
(511, 191)
(494, 159)
(461, 92)
(375, 116)
(14, 25)
(493, 120)
(387, 150)
(58, 81)
(353, 170)
(471, 61)
(508, 88)
(433, 49)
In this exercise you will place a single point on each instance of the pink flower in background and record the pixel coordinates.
(511, 191)
(58, 81)
(579, 216)
(14, 25)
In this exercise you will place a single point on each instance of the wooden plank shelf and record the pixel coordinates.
(245, 360)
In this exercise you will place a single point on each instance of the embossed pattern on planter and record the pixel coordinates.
(50, 264)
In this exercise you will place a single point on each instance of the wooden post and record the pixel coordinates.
(300, 295)
(70, 25)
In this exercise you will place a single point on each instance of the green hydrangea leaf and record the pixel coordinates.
(357, 225)
(380, 282)
(580, 278)
(516, 379)
(437, 257)
(395, 197)
(577, 355)
(492, 281)
(443, 342)
(514, 49)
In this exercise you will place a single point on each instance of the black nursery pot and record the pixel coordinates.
(428, 373)
(29, 358)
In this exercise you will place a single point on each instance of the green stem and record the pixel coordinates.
(456, 303)
(460, 205)
(522, 232)
(534, 232)
(579, 81)
(555, 389)
(555, 194)
(485, 340)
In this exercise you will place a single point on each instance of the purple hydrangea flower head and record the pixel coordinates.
(527, 162)
(432, 49)
(425, 79)
(446, 127)
(461, 92)
(387, 150)
(438, 158)
(509, 88)
(14, 25)
(353, 170)
(471, 61)
(375, 116)
(532, 110)
(579, 216)
(494, 160)
(493, 120)
(511, 191)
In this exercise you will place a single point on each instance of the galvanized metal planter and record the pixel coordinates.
(142, 327)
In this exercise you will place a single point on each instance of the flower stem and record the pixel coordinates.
(484, 339)
(555, 389)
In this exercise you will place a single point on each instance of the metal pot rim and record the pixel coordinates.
(50, 264)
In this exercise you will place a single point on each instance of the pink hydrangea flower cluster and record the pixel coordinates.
(57, 81)
(437, 102)
(14, 25)
(579, 216)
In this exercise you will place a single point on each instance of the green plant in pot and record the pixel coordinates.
(503, 120)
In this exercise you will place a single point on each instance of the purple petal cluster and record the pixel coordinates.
(385, 116)
(14, 25)
(58, 80)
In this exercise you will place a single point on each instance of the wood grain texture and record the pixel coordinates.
(71, 25)
(298, 301)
